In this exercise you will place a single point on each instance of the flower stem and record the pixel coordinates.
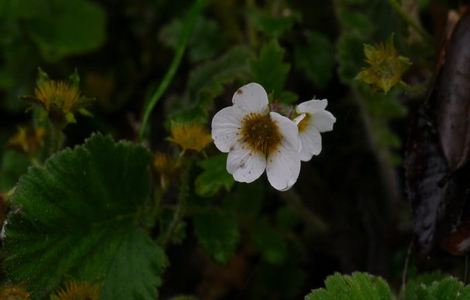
(313, 221)
(398, 9)
(183, 41)
(180, 210)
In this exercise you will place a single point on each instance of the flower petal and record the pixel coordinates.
(289, 131)
(251, 98)
(244, 165)
(225, 126)
(283, 168)
(323, 120)
(311, 106)
(311, 143)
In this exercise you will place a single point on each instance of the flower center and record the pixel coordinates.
(260, 133)
(304, 123)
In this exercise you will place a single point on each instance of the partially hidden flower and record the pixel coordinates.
(257, 139)
(78, 290)
(167, 167)
(27, 140)
(313, 119)
(190, 136)
(13, 292)
(60, 99)
(386, 67)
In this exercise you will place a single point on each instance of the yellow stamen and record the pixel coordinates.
(78, 290)
(260, 133)
(304, 123)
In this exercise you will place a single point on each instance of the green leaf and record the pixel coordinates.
(79, 218)
(218, 233)
(214, 176)
(358, 286)
(270, 243)
(70, 27)
(273, 26)
(436, 286)
(246, 200)
(269, 70)
(23, 9)
(349, 49)
(206, 40)
(207, 81)
(316, 59)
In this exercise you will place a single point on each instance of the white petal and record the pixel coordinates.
(311, 106)
(244, 165)
(311, 143)
(251, 98)
(323, 120)
(283, 168)
(225, 126)
(289, 131)
(298, 119)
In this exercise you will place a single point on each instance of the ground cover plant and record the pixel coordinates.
(249, 149)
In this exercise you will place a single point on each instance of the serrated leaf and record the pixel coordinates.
(273, 26)
(349, 54)
(269, 69)
(80, 217)
(214, 176)
(316, 59)
(70, 27)
(205, 42)
(218, 233)
(207, 81)
(358, 286)
(436, 286)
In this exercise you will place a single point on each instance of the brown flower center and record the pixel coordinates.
(260, 133)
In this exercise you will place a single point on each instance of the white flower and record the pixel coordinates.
(257, 139)
(313, 120)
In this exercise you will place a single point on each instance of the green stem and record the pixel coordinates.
(56, 138)
(167, 79)
(397, 7)
(315, 223)
(180, 210)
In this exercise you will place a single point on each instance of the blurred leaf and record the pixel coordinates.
(206, 40)
(214, 176)
(21, 9)
(286, 217)
(269, 70)
(218, 233)
(356, 21)
(435, 288)
(80, 217)
(349, 51)
(273, 26)
(270, 243)
(207, 81)
(246, 199)
(14, 164)
(358, 286)
(71, 27)
(316, 59)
